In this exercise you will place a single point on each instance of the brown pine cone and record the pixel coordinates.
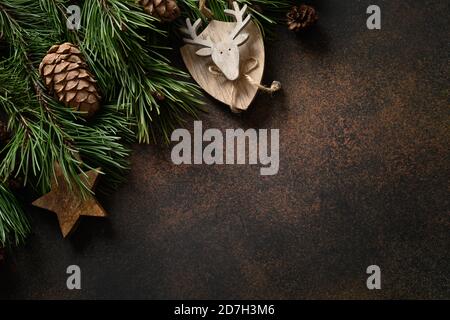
(164, 10)
(67, 77)
(301, 17)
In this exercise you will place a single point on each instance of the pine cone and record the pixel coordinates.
(67, 77)
(301, 17)
(164, 10)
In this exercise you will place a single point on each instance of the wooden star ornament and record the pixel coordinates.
(68, 203)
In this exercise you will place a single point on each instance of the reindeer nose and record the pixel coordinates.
(232, 69)
(233, 75)
(231, 72)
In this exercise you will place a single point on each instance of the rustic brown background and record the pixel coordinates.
(364, 173)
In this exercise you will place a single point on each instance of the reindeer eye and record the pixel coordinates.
(221, 52)
(229, 49)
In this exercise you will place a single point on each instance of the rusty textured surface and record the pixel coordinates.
(364, 173)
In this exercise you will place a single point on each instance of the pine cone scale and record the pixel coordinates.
(50, 58)
(59, 78)
(74, 66)
(71, 75)
(48, 69)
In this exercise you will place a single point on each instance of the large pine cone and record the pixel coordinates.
(301, 17)
(164, 10)
(67, 77)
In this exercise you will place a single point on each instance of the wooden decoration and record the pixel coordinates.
(68, 203)
(227, 58)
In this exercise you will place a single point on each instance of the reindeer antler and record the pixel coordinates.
(239, 15)
(191, 30)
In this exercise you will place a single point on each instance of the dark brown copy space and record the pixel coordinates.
(364, 179)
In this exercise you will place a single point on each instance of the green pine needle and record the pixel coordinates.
(14, 226)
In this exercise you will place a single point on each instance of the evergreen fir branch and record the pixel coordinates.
(269, 16)
(45, 131)
(14, 226)
(111, 129)
(56, 15)
(131, 71)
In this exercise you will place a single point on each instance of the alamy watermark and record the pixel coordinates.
(241, 147)
(73, 17)
(374, 280)
(374, 20)
(74, 279)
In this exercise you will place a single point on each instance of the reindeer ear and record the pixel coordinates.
(204, 52)
(241, 39)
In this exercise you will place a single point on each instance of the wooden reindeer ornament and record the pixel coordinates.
(229, 64)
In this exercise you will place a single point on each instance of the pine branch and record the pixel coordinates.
(45, 131)
(132, 71)
(14, 226)
(271, 10)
